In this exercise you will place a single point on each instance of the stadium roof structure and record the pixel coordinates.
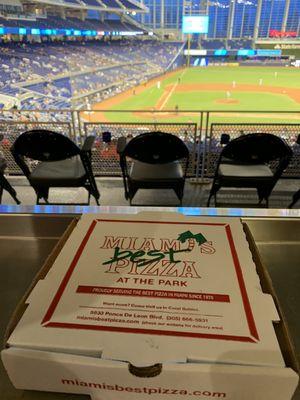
(100, 5)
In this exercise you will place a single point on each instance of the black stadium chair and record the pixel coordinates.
(244, 163)
(153, 160)
(4, 184)
(60, 162)
(296, 196)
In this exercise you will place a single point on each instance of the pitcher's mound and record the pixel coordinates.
(227, 101)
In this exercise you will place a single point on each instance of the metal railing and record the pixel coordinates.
(201, 131)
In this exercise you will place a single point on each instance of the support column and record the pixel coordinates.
(162, 17)
(143, 15)
(270, 20)
(243, 20)
(177, 16)
(230, 19)
(257, 20)
(285, 15)
(207, 13)
(215, 24)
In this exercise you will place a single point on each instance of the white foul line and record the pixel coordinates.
(171, 92)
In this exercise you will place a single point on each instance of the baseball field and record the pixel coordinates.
(232, 92)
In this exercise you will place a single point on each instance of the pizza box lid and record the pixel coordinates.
(153, 288)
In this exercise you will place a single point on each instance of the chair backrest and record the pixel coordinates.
(257, 148)
(44, 145)
(156, 148)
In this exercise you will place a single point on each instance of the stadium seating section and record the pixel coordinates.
(60, 74)
(56, 22)
(230, 44)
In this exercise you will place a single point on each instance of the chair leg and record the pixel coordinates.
(38, 198)
(213, 193)
(92, 190)
(179, 193)
(267, 202)
(208, 200)
(261, 200)
(263, 194)
(96, 197)
(215, 198)
(16, 199)
(42, 194)
(5, 185)
(296, 197)
(131, 193)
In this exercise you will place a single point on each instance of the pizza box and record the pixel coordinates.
(152, 304)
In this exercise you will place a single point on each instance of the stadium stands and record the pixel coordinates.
(56, 22)
(41, 75)
(75, 2)
(239, 44)
(127, 4)
(93, 3)
(60, 58)
(213, 44)
(111, 3)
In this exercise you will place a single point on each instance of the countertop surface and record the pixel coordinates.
(28, 237)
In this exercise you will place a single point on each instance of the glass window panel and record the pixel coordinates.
(293, 16)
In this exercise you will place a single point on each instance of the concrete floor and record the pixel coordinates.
(112, 194)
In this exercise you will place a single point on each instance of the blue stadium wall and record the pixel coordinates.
(228, 18)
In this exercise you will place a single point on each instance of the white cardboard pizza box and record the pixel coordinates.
(179, 293)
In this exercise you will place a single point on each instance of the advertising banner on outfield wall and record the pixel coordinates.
(195, 52)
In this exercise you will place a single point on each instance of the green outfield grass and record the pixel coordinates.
(287, 77)
(277, 92)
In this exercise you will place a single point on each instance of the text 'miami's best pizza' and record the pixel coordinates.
(153, 287)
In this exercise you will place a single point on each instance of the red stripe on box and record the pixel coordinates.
(247, 307)
(69, 272)
(162, 222)
(162, 294)
(246, 302)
